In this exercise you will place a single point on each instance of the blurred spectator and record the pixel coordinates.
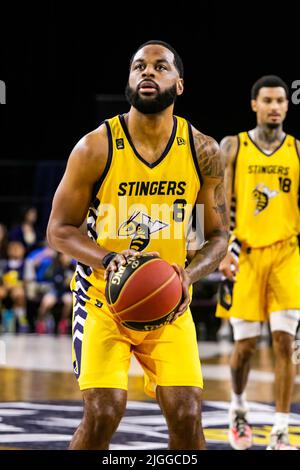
(26, 232)
(60, 272)
(12, 288)
(36, 280)
(36, 266)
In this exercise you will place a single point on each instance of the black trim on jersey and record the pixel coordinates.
(298, 154)
(165, 152)
(98, 184)
(296, 147)
(192, 145)
(266, 154)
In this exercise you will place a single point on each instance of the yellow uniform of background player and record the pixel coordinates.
(262, 266)
(144, 159)
(264, 238)
(142, 207)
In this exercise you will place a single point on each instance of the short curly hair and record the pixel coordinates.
(177, 59)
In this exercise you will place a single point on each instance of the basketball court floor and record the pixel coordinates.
(40, 403)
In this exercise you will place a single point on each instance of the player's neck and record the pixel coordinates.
(149, 127)
(266, 135)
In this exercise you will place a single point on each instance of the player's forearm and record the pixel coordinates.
(71, 241)
(209, 256)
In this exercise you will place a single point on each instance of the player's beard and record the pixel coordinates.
(273, 125)
(154, 105)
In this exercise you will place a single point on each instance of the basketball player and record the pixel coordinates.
(147, 156)
(262, 182)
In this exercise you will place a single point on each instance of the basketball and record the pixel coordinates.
(144, 294)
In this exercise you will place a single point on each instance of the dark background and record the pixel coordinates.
(57, 58)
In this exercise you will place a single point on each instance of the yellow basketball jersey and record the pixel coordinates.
(139, 205)
(265, 190)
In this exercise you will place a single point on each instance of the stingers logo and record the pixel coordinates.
(139, 226)
(262, 194)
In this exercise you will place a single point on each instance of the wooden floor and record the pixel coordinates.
(38, 379)
(40, 402)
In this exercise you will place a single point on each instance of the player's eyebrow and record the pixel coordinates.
(157, 61)
(163, 60)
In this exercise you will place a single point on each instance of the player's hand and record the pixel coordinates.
(121, 259)
(229, 266)
(185, 282)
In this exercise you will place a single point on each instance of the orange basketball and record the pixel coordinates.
(144, 294)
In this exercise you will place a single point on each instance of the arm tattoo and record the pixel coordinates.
(227, 147)
(220, 204)
(219, 234)
(208, 155)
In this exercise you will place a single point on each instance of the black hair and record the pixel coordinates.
(268, 81)
(177, 59)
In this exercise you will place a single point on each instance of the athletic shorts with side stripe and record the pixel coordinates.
(102, 349)
(268, 281)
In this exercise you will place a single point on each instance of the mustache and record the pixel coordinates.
(142, 82)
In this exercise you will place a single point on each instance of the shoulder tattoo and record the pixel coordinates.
(208, 155)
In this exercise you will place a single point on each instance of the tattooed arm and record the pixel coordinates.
(228, 148)
(212, 196)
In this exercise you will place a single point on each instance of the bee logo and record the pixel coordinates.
(139, 226)
(262, 194)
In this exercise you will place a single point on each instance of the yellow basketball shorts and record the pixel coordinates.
(102, 349)
(268, 281)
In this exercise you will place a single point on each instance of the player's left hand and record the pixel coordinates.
(186, 282)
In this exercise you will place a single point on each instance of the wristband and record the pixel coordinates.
(107, 258)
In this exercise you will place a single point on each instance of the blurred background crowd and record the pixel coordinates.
(35, 295)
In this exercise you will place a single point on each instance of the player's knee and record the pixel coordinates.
(245, 349)
(102, 415)
(102, 420)
(185, 416)
(282, 344)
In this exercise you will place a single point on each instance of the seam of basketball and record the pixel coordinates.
(150, 295)
(130, 277)
(154, 319)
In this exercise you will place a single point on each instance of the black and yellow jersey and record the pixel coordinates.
(139, 205)
(265, 190)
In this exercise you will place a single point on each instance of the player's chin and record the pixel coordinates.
(274, 123)
(148, 95)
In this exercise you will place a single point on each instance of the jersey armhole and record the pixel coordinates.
(297, 150)
(98, 184)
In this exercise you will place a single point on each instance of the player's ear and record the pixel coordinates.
(254, 105)
(179, 86)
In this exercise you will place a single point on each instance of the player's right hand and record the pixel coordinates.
(121, 259)
(229, 266)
